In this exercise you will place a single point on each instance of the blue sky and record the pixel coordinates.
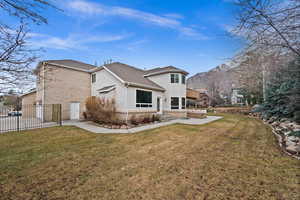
(144, 33)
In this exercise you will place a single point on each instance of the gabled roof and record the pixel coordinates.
(127, 74)
(131, 75)
(33, 90)
(162, 70)
(73, 64)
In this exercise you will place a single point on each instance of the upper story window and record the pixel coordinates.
(174, 78)
(143, 98)
(182, 79)
(93, 78)
(174, 102)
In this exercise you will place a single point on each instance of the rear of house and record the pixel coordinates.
(140, 92)
(136, 92)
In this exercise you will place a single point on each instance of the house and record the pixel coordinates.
(197, 98)
(136, 91)
(68, 82)
(29, 98)
(236, 97)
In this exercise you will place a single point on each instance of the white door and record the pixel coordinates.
(39, 111)
(74, 110)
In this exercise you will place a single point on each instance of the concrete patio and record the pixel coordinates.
(89, 126)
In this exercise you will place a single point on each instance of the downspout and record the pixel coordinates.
(43, 102)
(126, 85)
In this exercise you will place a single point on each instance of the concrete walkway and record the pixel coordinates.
(89, 126)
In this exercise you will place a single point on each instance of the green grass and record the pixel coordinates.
(233, 158)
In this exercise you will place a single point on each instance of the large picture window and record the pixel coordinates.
(143, 98)
(174, 78)
(174, 102)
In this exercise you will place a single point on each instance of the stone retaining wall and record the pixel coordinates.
(282, 130)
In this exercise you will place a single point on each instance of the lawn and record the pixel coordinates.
(233, 158)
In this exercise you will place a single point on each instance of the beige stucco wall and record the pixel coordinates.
(126, 96)
(172, 90)
(60, 85)
(103, 79)
(29, 99)
(28, 107)
(132, 100)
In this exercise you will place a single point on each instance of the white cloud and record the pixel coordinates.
(133, 46)
(72, 41)
(171, 20)
(192, 33)
(146, 17)
(174, 16)
(91, 8)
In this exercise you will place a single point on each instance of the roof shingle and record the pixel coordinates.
(72, 63)
(131, 75)
(161, 70)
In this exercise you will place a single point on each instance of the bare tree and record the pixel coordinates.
(16, 56)
(270, 23)
(249, 73)
(29, 9)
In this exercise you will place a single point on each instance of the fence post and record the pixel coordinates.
(18, 117)
(60, 115)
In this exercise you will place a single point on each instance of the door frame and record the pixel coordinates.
(159, 100)
(71, 116)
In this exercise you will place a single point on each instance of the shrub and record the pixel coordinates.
(85, 115)
(297, 116)
(134, 120)
(295, 133)
(146, 119)
(101, 110)
(155, 118)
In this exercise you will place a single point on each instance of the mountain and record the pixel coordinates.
(218, 81)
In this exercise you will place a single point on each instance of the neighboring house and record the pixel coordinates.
(236, 98)
(29, 98)
(136, 91)
(28, 104)
(196, 98)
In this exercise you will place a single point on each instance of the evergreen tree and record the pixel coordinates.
(283, 93)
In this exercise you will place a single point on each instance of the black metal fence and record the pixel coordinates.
(30, 117)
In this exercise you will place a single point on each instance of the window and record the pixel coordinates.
(143, 99)
(174, 78)
(182, 103)
(183, 79)
(174, 103)
(93, 78)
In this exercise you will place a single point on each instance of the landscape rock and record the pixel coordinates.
(290, 143)
(293, 139)
(286, 133)
(293, 149)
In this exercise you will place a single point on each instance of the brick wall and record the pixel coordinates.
(63, 86)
